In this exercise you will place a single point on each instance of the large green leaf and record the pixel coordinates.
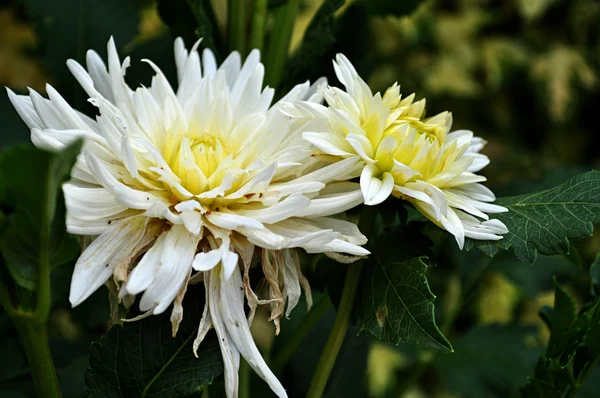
(394, 301)
(31, 195)
(489, 361)
(68, 28)
(142, 359)
(545, 221)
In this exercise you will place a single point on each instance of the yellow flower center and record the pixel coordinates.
(199, 162)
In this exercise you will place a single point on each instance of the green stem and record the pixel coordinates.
(259, 19)
(311, 318)
(35, 342)
(337, 334)
(279, 45)
(244, 389)
(236, 25)
(342, 317)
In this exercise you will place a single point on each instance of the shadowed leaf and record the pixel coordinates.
(142, 359)
(30, 192)
(395, 303)
(545, 221)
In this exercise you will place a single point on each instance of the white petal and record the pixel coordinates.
(99, 74)
(161, 210)
(229, 261)
(229, 349)
(175, 264)
(375, 190)
(435, 209)
(207, 261)
(97, 262)
(453, 224)
(362, 146)
(91, 203)
(330, 143)
(340, 246)
(291, 280)
(234, 319)
(257, 184)
(190, 213)
(232, 221)
(25, 109)
(479, 162)
(209, 64)
(336, 171)
(128, 196)
(250, 64)
(78, 226)
(326, 205)
(205, 321)
(347, 229)
(289, 188)
(145, 271)
(291, 206)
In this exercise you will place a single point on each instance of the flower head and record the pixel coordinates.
(179, 185)
(401, 153)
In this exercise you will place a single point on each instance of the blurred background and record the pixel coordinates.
(523, 74)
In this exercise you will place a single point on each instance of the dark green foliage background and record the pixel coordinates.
(523, 75)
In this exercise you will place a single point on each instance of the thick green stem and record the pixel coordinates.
(259, 20)
(336, 337)
(279, 45)
(236, 25)
(35, 342)
(300, 333)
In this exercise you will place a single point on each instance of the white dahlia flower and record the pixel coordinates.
(402, 154)
(177, 186)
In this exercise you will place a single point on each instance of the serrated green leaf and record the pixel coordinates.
(488, 361)
(562, 318)
(394, 301)
(142, 359)
(545, 221)
(30, 187)
(572, 351)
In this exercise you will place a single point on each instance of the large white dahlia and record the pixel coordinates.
(182, 186)
(403, 154)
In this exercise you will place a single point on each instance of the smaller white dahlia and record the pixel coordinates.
(176, 186)
(403, 154)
